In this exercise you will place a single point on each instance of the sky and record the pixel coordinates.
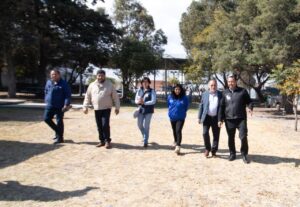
(166, 15)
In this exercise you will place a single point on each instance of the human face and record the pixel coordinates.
(231, 83)
(212, 86)
(145, 84)
(177, 91)
(55, 76)
(101, 77)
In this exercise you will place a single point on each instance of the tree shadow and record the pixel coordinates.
(21, 114)
(15, 191)
(12, 152)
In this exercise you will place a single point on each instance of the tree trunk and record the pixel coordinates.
(288, 104)
(296, 111)
(259, 94)
(80, 85)
(11, 75)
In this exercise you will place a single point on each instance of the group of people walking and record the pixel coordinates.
(215, 108)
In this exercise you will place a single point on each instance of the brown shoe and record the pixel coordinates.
(107, 145)
(100, 144)
(214, 154)
(206, 153)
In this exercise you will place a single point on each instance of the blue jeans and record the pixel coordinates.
(59, 126)
(143, 121)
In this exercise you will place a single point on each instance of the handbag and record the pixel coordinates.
(138, 110)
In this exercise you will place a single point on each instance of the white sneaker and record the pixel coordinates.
(177, 150)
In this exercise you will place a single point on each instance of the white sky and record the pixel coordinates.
(166, 15)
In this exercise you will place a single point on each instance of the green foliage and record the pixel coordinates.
(250, 38)
(37, 34)
(139, 48)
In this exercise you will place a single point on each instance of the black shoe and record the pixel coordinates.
(58, 141)
(214, 154)
(245, 159)
(145, 145)
(54, 138)
(232, 157)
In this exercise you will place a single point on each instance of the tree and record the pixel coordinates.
(252, 38)
(52, 35)
(288, 81)
(140, 47)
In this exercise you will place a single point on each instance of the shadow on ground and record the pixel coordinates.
(12, 152)
(23, 115)
(15, 191)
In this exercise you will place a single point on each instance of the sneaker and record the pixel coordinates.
(177, 150)
(100, 144)
(174, 144)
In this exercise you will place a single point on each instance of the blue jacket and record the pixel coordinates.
(204, 104)
(177, 108)
(57, 95)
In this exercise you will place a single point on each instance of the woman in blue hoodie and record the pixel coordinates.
(178, 105)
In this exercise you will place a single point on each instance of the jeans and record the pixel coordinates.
(143, 122)
(177, 131)
(211, 121)
(102, 120)
(241, 125)
(59, 126)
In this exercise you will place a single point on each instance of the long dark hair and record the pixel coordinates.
(182, 92)
(145, 79)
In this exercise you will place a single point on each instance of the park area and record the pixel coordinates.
(36, 173)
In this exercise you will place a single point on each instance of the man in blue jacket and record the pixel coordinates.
(208, 115)
(57, 99)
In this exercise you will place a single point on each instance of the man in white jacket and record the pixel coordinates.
(101, 94)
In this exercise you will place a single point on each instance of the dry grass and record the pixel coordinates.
(33, 172)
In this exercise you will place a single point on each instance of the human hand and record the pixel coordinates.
(85, 110)
(250, 112)
(199, 121)
(117, 111)
(220, 124)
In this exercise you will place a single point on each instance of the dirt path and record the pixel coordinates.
(33, 172)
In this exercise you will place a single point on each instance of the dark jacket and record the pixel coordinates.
(233, 104)
(57, 95)
(204, 105)
(149, 97)
(177, 108)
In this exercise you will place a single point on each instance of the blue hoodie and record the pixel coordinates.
(177, 108)
(57, 95)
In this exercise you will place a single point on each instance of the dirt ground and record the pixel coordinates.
(34, 172)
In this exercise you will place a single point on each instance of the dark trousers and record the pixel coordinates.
(102, 120)
(241, 125)
(59, 126)
(177, 131)
(211, 121)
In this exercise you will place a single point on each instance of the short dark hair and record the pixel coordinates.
(56, 71)
(101, 72)
(146, 79)
(232, 75)
(182, 91)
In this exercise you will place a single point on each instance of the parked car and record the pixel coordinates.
(273, 97)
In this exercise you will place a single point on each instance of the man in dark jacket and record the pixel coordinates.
(57, 99)
(233, 111)
(208, 115)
